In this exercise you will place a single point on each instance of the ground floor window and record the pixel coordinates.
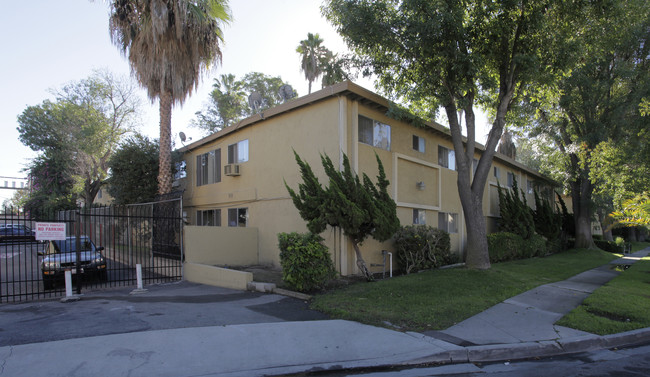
(448, 222)
(419, 216)
(238, 217)
(209, 217)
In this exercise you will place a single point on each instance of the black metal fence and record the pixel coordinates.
(149, 235)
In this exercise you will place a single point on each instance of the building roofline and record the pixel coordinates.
(355, 92)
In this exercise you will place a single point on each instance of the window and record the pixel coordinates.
(446, 157)
(180, 170)
(511, 179)
(374, 133)
(210, 217)
(238, 217)
(419, 217)
(530, 188)
(238, 152)
(497, 173)
(208, 168)
(99, 194)
(474, 166)
(418, 143)
(448, 222)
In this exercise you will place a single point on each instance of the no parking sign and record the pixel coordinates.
(50, 231)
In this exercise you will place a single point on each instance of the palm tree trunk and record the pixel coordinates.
(164, 161)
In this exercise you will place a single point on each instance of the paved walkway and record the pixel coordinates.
(520, 327)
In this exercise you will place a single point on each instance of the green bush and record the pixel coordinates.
(306, 262)
(535, 246)
(609, 246)
(421, 247)
(619, 241)
(504, 246)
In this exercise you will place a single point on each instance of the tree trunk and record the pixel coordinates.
(361, 264)
(631, 234)
(164, 163)
(602, 218)
(581, 193)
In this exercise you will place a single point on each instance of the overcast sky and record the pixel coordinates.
(49, 43)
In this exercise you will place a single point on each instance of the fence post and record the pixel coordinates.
(78, 248)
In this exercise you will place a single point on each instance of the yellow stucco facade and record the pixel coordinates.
(236, 177)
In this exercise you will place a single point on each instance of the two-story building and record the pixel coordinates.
(236, 177)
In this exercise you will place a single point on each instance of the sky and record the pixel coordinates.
(49, 44)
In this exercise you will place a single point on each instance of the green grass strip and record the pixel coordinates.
(621, 305)
(438, 299)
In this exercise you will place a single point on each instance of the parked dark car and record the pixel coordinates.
(61, 255)
(9, 232)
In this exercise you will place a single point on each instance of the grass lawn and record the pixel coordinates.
(436, 300)
(623, 304)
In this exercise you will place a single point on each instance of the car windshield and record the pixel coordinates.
(70, 245)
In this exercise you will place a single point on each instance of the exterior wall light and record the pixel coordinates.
(421, 185)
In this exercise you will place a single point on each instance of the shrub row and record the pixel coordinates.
(609, 246)
(505, 246)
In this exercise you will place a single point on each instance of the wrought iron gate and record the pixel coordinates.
(146, 234)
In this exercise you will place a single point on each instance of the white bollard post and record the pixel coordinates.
(68, 283)
(138, 272)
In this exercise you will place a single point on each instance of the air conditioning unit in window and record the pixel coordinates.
(231, 169)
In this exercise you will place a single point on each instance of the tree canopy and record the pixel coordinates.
(134, 168)
(76, 135)
(456, 55)
(228, 101)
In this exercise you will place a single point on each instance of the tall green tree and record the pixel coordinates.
(169, 44)
(312, 54)
(358, 206)
(595, 108)
(457, 54)
(78, 133)
(134, 169)
(228, 102)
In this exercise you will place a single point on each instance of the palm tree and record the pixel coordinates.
(169, 44)
(311, 54)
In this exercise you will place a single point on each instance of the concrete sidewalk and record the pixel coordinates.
(520, 327)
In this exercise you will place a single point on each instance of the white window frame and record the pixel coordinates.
(448, 222)
(238, 217)
(419, 144)
(208, 167)
(446, 157)
(381, 133)
(238, 152)
(419, 216)
(203, 215)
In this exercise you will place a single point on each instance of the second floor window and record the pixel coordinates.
(374, 133)
(418, 143)
(511, 179)
(446, 157)
(238, 152)
(208, 168)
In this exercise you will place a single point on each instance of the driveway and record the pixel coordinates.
(163, 306)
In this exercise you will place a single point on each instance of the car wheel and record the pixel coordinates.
(48, 283)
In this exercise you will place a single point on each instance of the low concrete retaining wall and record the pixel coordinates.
(217, 276)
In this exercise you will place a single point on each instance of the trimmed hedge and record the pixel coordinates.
(505, 246)
(306, 262)
(422, 247)
(609, 246)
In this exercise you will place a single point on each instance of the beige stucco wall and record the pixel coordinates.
(330, 126)
(222, 246)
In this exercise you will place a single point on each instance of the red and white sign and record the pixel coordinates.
(50, 231)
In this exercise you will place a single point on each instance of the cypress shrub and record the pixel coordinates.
(516, 216)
